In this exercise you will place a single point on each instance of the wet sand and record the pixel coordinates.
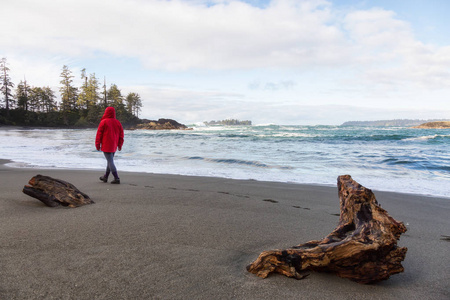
(181, 237)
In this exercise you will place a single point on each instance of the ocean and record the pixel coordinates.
(397, 159)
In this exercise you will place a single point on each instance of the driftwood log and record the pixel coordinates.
(55, 192)
(363, 247)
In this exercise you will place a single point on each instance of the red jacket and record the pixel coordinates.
(109, 133)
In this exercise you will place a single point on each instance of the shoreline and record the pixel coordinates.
(196, 155)
(178, 237)
(8, 161)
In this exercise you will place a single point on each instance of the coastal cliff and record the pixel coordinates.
(434, 125)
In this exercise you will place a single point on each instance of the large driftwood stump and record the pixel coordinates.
(55, 192)
(363, 247)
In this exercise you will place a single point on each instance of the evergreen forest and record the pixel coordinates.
(78, 107)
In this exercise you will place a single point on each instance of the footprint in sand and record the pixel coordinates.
(270, 200)
(306, 208)
(445, 238)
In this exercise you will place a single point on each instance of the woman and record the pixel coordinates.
(109, 138)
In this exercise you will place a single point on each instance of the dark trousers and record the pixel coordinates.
(111, 167)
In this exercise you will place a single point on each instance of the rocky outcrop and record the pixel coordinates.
(434, 125)
(161, 124)
(390, 123)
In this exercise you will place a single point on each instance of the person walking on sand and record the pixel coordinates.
(109, 138)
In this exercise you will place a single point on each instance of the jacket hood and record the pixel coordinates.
(110, 113)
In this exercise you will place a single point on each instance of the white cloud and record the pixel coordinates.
(305, 52)
(178, 35)
(189, 106)
(186, 104)
(182, 35)
(390, 55)
(38, 71)
(273, 86)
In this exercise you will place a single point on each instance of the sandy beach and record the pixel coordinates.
(180, 237)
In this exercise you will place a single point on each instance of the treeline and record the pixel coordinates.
(228, 122)
(27, 105)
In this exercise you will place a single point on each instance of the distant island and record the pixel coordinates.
(228, 122)
(389, 123)
(434, 125)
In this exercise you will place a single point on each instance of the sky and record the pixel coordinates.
(304, 62)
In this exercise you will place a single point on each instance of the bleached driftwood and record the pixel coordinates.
(363, 247)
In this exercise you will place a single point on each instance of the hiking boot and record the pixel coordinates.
(104, 179)
(116, 181)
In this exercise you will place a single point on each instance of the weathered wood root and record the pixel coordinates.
(363, 247)
(55, 192)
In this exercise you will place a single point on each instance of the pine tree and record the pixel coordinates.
(115, 99)
(69, 93)
(22, 95)
(48, 99)
(82, 97)
(93, 95)
(6, 85)
(89, 95)
(105, 101)
(114, 96)
(34, 99)
(134, 104)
